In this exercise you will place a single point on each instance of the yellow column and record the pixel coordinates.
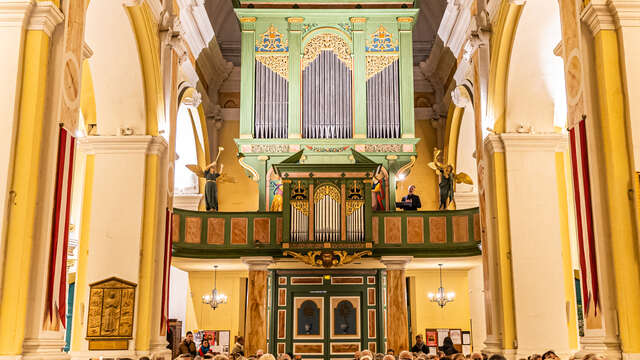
(623, 233)
(397, 318)
(23, 191)
(256, 323)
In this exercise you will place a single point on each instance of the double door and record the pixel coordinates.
(332, 319)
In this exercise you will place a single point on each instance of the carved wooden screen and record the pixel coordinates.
(327, 82)
(272, 85)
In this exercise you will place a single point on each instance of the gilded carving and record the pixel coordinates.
(301, 205)
(272, 41)
(326, 258)
(278, 63)
(382, 41)
(111, 309)
(326, 41)
(383, 148)
(326, 190)
(377, 63)
(353, 205)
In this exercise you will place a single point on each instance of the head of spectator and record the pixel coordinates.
(405, 355)
(389, 357)
(550, 355)
(266, 356)
(497, 357)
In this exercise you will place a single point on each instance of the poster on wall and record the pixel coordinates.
(456, 336)
(466, 338)
(442, 333)
(218, 339)
(431, 337)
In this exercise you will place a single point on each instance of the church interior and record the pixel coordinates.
(320, 179)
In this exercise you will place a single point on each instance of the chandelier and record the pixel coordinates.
(214, 299)
(440, 297)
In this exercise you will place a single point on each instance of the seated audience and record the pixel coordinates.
(420, 346)
(447, 347)
(204, 348)
(188, 346)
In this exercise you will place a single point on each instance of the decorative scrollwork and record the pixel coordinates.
(377, 63)
(353, 205)
(382, 41)
(383, 148)
(272, 41)
(298, 191)
(355, 191)
(326, 190)
(327, 259)
(326, 41)
(301, 205)
(278, 63)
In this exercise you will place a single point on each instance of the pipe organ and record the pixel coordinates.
(318, 74)
(327, 206)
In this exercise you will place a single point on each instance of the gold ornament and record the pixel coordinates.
(327, 259)
(377, 63)
(324, 190)
(326, 41)
(278, 63)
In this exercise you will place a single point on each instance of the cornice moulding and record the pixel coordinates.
(514, 142)
(257, 263)
(14, 13)
(141, 144)
(626, 12)
(45, 16)
(493, 144)
(396, 262)
(598, 17)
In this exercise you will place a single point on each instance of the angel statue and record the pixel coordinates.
(276, 188)
(448, 180)
(213, 176)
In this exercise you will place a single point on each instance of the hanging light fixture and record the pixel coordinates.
(214, 299)
(440, 297)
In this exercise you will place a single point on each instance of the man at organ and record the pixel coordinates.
(411, 201)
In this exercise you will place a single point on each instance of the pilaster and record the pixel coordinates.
(295, 55)
(397, 314)
(358, 28)
(248, 72)
(407, 125)
(256, 318)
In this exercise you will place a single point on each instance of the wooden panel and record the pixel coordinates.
(306, 281)
(279, 230)
(346, 280)
(282, 319)
(415, 230)
(476, 227)
(175, 231)
(215, 231)
(392, 230)
(438, 229)
(308, 349)
(192, 230)
(372, 347)
(261, 230)
(239, 231)
(281, 348)
(371, 296)
(344, 348)
(282, 297)
(460, 228)
(375, 229)
(282, 280)
(372, 323)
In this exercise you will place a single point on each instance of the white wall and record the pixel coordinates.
(178, 294)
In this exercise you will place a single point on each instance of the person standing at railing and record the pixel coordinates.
(411, 201)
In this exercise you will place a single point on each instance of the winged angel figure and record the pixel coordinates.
(448, 180)
(213, 177)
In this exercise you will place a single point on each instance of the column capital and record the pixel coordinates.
(144, 144)
(257, 263)
(597, 15)
(396, 262)
(534, 142)
(45, 16)
(493, 144)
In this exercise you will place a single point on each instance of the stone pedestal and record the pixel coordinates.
(256, 323)
(397, 319)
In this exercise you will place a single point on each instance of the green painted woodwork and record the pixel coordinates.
(360, 79)
(295, 56)
(407, 125)
(327, 2)
(247, 73)
(326, 290)
(427, 249)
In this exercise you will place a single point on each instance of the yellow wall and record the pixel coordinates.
(422, 176)
(425, 314)
(243, 195)
(226, 316)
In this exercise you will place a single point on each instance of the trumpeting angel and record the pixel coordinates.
(213, 175)
(448, 180)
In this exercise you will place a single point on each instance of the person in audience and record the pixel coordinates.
(535, 357)
(447, 347)
(188, 346)
(284, 357)
(266, 356)
(379, 356)
(356, 355)
(391, 352)
(457, 356)
(441, 354)
(366, 353)
(550, 355)
(389, 357)
(219, 357)
(405, 355)
(476, 356)
(420, 346)
(497, 357)
(432, 357)
(259, 353)
(205, 348)
(365, 357)
(238, 348)
(594, 357)
(297, 357)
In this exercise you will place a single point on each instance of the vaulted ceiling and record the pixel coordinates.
(227, 29)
